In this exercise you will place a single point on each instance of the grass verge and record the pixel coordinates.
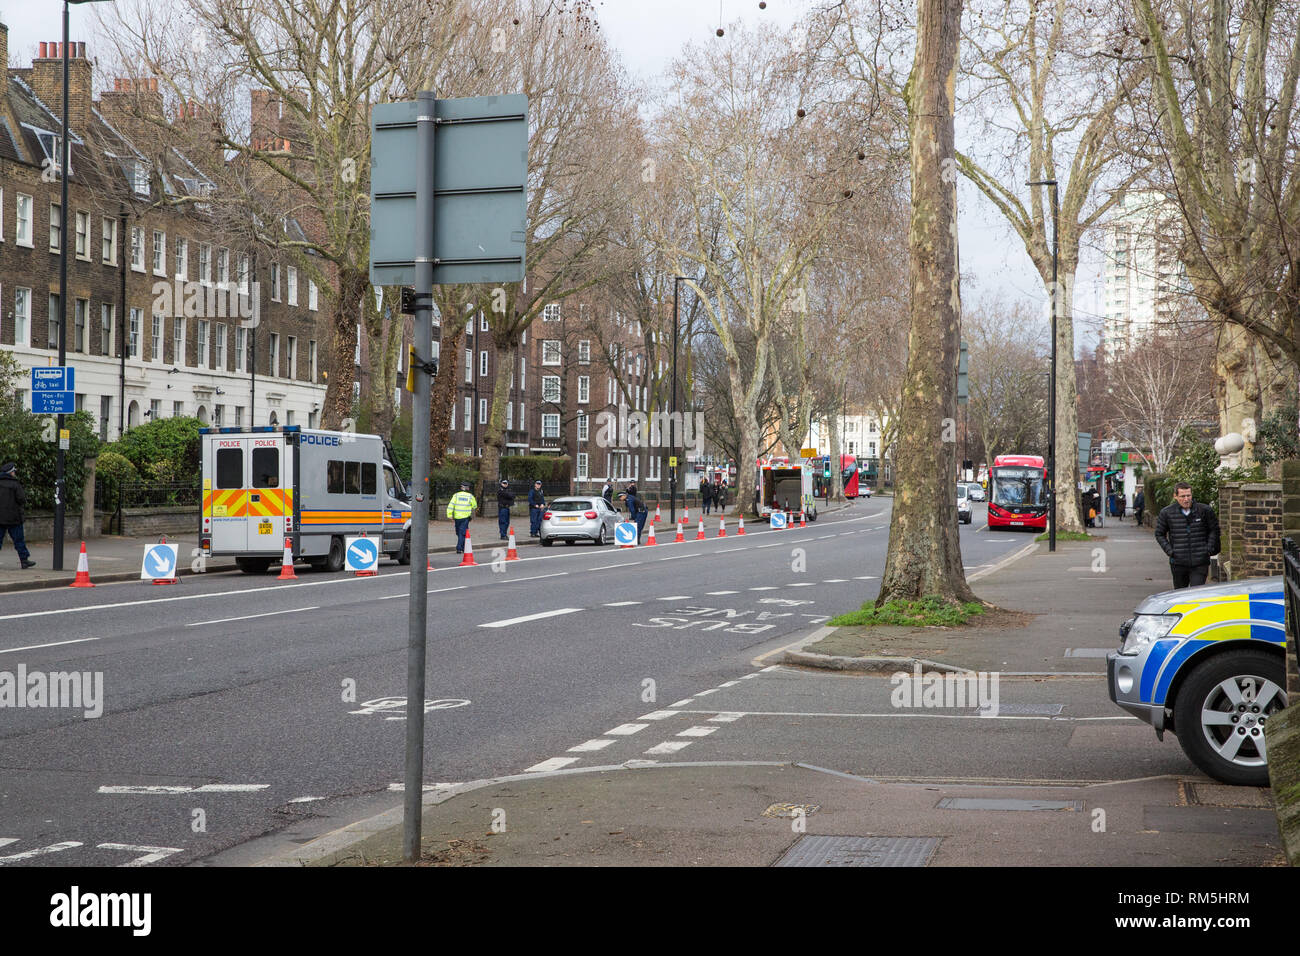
(1067, 536)
(929, 611)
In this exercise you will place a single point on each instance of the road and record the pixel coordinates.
(234, 704)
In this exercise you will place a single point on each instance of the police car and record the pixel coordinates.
(1207, 664)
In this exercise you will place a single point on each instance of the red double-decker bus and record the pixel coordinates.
(1018, 492)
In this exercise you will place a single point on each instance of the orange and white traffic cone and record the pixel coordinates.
(366, 574)
(468, 560)
(699, 536)
(679, 539)
(802, 524)
(511, 553)
(741, 529)
(686, 516)
(83, 570)
(651, 540)
(658, 517)
(286, 564)
(722, 526)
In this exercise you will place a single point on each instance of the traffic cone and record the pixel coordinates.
(699, 536)
(741, 529)
(658, 517)
(686, 516)
(365, 574)
(511, 553)
(286, 565)
(722, 526)
(651, 540)
(679, 539)
(801, 520)
(83, 571)
(468, 560)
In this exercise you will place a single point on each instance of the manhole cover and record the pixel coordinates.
(790, 809)
(860, 851)
(978, 803)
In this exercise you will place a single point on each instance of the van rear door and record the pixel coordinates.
(225, 494)
(270, 494)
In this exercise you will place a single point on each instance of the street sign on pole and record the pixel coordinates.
(54, 378)
(54, 403)
(480, 174)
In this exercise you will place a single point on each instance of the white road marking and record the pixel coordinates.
(865, 577)
(922, 713)
(711, 690)
(624, 730)
(697, 731)
(606, 567)
(393, 597)
(150, 789)
(730, 683)
(802, 584)
(658, 715)
(555, 763)
(724, 718)
(720, 593)
(531, 617)
(823, 537)
(5, 841)
(597, 743)
(32, 647)
(676, 597)
(669, 747)
(764, 588)
(538, 577)
(843, 533)
(152, 854)
(621, 603)
(40, 851)
(775, 544)
(426, 788)
(836, 581)
(683, 703)
(249, 617)
(306, 799)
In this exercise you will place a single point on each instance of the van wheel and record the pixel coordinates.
(253, 565)
(404, 556)
(335, 560)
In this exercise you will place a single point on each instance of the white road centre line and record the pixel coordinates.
(532, 617)
(596, 743)
(152, 789)
(765, 587)
(249, 617)
(607, 567)
(711, 690)
(669, 747)
(697, 731)
(554, 763)
(843, 533)
(621, 603)
(32, 647)
(836, 581)
(683, 703)
(720, 593)
(730, 683)
(724, 718)
(538, 577)
(823, 537)
(775, 544)
(676, 597)
(624, 730)
(865, 577)
(658, 715)
(393, 597)
(802, 584)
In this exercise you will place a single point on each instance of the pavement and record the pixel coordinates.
(793, 811)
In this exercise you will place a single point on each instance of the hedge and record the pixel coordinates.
(22, 440)
(163, 450)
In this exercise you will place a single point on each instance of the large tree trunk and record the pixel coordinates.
(924, 548)
(343, 342)
(1069, 508)
(443, 396)
(384, 338)
(494, 438)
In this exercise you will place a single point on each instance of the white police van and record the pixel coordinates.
(263, 486)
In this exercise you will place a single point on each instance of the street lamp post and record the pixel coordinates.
(1051, 388)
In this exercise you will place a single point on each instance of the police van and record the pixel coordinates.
(314, 488)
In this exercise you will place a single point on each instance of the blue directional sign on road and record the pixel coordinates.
(159, 562)
(778, 520)
(362, 554)
(625, 534)
(56, 378)
(54, 403)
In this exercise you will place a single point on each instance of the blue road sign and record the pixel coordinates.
(54, 403)
(363, 554)
(778, 520)
(55, 378)
(159, 562)
(625, 533)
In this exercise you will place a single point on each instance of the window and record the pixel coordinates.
(582, 466)
(293, 357)
(584, 426)
(550, 426)
(178, 342)
(239, 415)
(205, 263)
(311, 358)
(523, 374)
(551, 312)
(469, 366)
(178, 409)
(220, 348)
(137, 249)
(22, 211)
(550, 388)
(469, 412)
(56, 227)
(510, 415)
(156, 338)
(275, 282)
(584, 351)
(223, 275)
(108, 240)
(133, 333)
(469, 325)
(291, 279)
(356, 355)
(230, 468)
(482, 362)
(584, 389)
(243, 274)
(80, 315)
(218, 412)
(107, 313)
(241, 346)
(266, 468)
(23, 317)
(453, 416)
(313, 296)
(201, 344)
(369, 478)
(159, 253)
(56, 318)
(155, 409)
(140, 178)
(482, 411)
(182, 259)
(482, 322)
(550, 352)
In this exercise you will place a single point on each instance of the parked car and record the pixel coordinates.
(578, 519)
(976, 490)
(1207, 664)
(964, 513)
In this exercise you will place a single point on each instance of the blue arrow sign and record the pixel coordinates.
(363, 554)
(159, 561)
(57, 378)
(778, 520)
(625, 533)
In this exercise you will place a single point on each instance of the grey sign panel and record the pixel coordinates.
(480, 177)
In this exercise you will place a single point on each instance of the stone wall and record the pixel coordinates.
(1250, 523)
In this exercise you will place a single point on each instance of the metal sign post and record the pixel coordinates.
(452, 174)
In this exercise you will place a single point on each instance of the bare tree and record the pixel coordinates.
(1008, 378)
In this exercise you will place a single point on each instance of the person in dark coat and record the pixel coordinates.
(505, 501)
(1188, 532)
(536, 508)
(706, 496)
(608, 494)
(12, 499)
(1139, 505)
(636, 509)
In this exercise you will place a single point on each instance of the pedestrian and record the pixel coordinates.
(720, 496)
(536, 508)
(706, 496)
(1122, 501)
(505, 501)
(1188, 532)
(12, 500)
(636, 509)
(608, 493)
(459, 509)
(1139, 505)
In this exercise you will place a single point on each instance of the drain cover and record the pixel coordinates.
(860, 851)
(977, 803)
(790, 809)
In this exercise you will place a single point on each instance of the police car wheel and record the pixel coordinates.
(1221, 711)
(404, 556)
(335, 560)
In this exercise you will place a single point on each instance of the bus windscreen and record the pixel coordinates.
(1018, 487)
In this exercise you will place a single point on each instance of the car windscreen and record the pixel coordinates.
(572, 504)
(962, 492)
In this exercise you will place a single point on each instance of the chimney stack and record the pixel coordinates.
(47, 82)
(4, 51)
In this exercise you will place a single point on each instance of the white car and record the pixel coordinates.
(964, 513)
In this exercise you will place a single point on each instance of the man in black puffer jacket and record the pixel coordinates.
(12, 500)
(1188, 532)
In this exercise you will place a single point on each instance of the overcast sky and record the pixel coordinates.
(648, 34)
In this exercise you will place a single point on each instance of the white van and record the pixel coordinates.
(264, 485)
